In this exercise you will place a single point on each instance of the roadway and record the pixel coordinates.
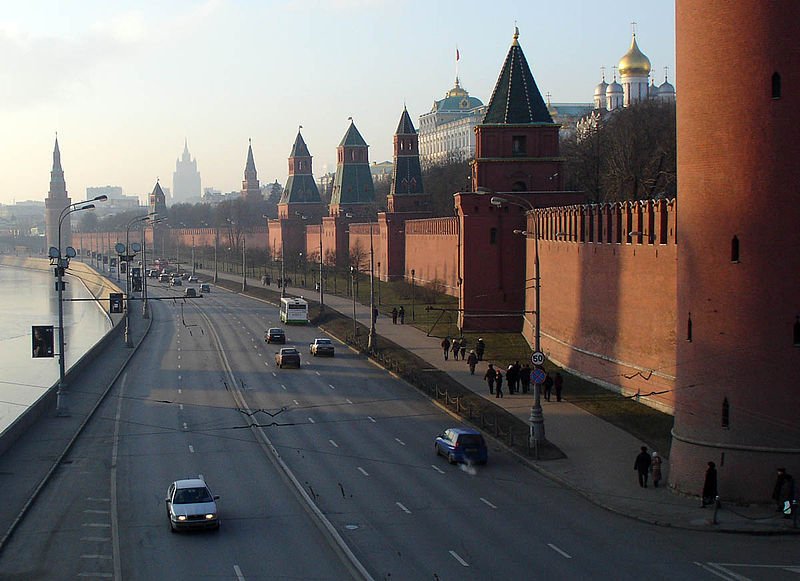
(341, 470)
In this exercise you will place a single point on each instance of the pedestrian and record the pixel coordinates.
(783, 493)
(490, 376)
(499, 384)
(558, 383)
(462, 347)
(402, 314)
(394, 315)
(446, 347)
(642, 466)
(511, 379)
(710, 485)
(525, 378)
(472, 361)
(655, 468)
(455, 349)
(480, 347)
(548, 387)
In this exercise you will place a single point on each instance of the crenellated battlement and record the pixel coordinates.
(642, 222)
(433, 227)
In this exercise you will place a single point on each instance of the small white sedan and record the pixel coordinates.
(190, 505)
(321, 347)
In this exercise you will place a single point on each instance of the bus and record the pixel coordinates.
(294, 311)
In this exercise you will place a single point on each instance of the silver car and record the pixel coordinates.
(190, 505)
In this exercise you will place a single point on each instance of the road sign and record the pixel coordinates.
(537, 358)
(538, 376)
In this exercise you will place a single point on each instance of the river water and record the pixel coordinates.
(27, 298)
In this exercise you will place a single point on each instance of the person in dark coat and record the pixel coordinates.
(548, 387)
(525, 378)
(783, 492)
(472, 361)
(490, 377)
(446, 347)
(642, 466)
(462, 348)
(558, 383)
(480, 347)
(499, 384)
(455, 349)
(710, 485)
(394, 315)
(401, 314)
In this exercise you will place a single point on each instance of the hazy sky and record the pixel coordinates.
(124, 82)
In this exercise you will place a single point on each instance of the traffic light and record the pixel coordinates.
(42, 340)
(115, 300)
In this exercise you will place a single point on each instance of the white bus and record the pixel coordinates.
(294, 311)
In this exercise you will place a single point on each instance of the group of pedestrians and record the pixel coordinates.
(458, 347)
(398, 314)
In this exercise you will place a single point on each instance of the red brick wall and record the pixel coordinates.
(432, 252)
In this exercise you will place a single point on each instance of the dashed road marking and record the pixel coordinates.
(399, 441)
(296, 402)
(439, 470)
(238, 573)
(318, 373)
(180, 390)
(372, 419)
(96, 525)
(96, 539)
(95, 556)
(191, 449)
(95, 511)
(95, 499)
(185, 426)
(98, 575)
(459, 559)
(403, 508)
(487, 503)
(348, 401)
(334, 444)
(559, 551)
(331, 386)
(180, 405)
(364, 472)
(311, 420)
(283, 386)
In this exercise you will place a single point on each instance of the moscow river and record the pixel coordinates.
(27, 298)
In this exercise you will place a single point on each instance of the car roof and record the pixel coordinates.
(322, 340)
(190, 483)
(288, 350)
(275, 329)
(460, 431)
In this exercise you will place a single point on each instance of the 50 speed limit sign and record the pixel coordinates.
(537, 358)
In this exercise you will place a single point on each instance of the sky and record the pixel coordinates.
(123, 83)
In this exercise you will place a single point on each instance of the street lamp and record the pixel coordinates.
(353, 273)
(413, 316)
(128, 257)
(537, 432)
(371, 339)
(153, 220)
(244, 261)
(61, 265)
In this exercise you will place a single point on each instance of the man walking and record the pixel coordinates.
(490, 376)
(394, 315)
(446, 347)
(642, 466)
(402, 314)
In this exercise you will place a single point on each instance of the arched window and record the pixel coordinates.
(797, 331)
(776, 86)
(689, 328)
(735, 249)
(493, 236)
(726, 413)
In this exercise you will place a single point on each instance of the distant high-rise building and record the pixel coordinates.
(186, 178)
(446, 132)
(57, 199)
(113, 192)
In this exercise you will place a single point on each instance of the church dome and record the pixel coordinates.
(614, 89)
(634, 62)
(666, 88)
(600, 89)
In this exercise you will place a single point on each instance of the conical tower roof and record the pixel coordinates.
(57, 157)
(352, 138)
(250, 166)
(299, 149)
(516, 98)
(406, 126)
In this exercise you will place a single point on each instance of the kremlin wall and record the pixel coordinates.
(706, 329)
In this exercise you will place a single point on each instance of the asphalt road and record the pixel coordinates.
(341, 471)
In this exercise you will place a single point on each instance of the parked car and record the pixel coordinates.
(287, 356)
(275, 335)
(205, 288)
(321, 347)
(176, 282)
(190, 292)
(190, 505)
(463, 445)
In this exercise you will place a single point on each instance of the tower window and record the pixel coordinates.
(726, 413)
(518, 145)
(776, 86)
(735, 249)
(797, 331)
(689, 328)
(493, 236)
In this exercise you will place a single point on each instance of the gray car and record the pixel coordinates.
(190, 505)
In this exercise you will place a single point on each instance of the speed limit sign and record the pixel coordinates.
(537, 358)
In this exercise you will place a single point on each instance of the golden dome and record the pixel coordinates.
(634, 62)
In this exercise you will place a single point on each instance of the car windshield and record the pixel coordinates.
(276, 331)
(323, 341)
(288, 351)
(191, 495)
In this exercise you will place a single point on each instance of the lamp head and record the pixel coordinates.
(100, 198)
(496, 201)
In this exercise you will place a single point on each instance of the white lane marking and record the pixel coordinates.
(364, 472)
(179, 357)
(100, 575)
(487, 503)
(459, 559)
(238, 572)
(559, 551)
(96, 539)
(274, 374)
(95, 556)
(372, 419)
(439, 470)
(399, 441)
(185, 426)
(180, 390)
(348, 401)
(296, 402)
(95, 499)
(96, 525)
(334, 444)
(720, 571)
(311, 420)
(191, 449)
(403, 508)
(331, 386)
(179, 365)
(95, 511)
(180, 406)
(317, 372)
(283, 386)
(180, 377)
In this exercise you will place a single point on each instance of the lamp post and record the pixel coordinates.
(283, 272)
(379, 283)
(216, 248)
(353, 273)
(371, 339)
(413, 316)
(537, 432)
(153, 220)
(61, 265)
(321, 293)
(128, 257)
(244, 261)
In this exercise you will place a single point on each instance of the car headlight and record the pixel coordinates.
(210, 516)
(181, 517)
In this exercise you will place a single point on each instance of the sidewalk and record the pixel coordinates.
(599, 456)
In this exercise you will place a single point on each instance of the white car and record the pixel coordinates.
(190, 505)
(322, 346)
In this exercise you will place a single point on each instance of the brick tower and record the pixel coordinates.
(407, 193)
(738, 330)
(57, 199)
(301, 195)
(353, 190)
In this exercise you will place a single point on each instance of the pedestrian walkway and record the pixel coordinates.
(599, 456)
